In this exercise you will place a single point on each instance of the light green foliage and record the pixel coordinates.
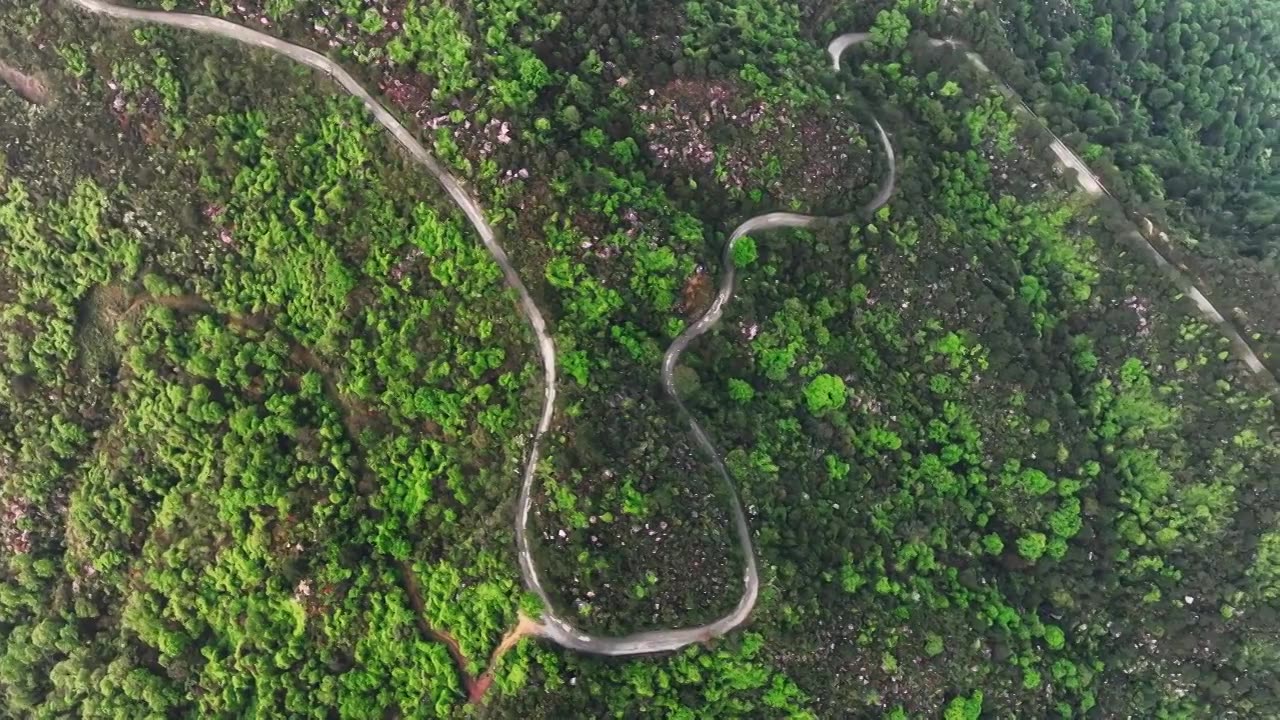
(1032, 546)
(964, 708)
(372, 22)
(744, 252)
(1054, 637)
(783, 62)
(891, 29)
(933, 645)
(825, 393)
(399, 669)
(310, 281)
(60, 250)
(740, 391)
(633, 501)
(625, 151)
(991, 121)
(790, 333)
(76, 62)
(734, 680)
(576, 366)
(1265, 572)
(476, 606)
(1133, 408)
(279, 9)
(509, 28)
(432, 41)
(992, 544)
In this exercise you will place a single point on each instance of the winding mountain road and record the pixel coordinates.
(553, 627)
(562, 632)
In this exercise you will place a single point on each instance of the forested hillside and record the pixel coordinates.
(1179, 97)
(1174, 105)
(266, 397)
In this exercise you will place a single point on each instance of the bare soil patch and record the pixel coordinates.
(28, 87)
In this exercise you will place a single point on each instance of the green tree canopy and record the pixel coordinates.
(825, 393)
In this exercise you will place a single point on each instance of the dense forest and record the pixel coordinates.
(266, 398)
(1174, 105)
(1176, 99)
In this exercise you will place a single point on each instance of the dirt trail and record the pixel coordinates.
(525, 627)
(181, 303)
(475, 685)
(189, 303)
(470, 684)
